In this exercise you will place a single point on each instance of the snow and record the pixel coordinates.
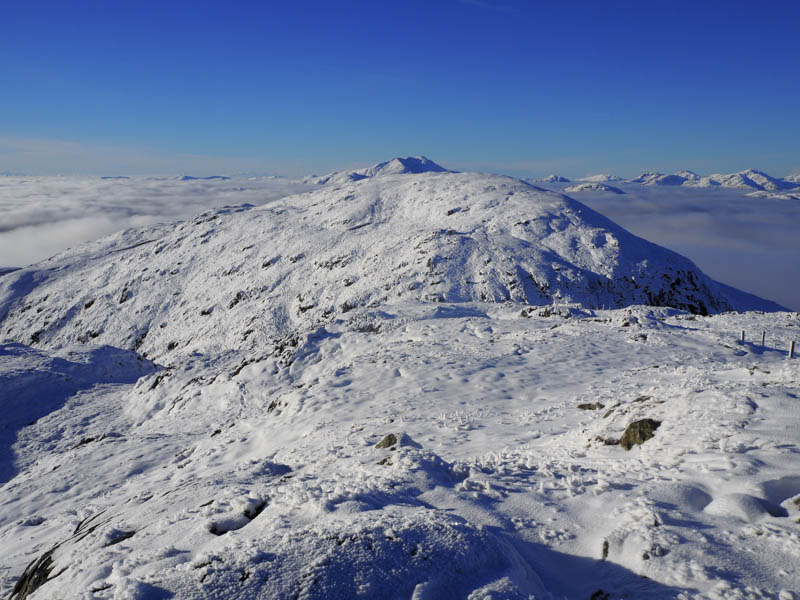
(550, 179)
(660, 179)
(396, 166)
(600, 178)
(593, 187)
(246, 460)
(750, 178)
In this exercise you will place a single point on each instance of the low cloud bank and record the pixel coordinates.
(41, 216)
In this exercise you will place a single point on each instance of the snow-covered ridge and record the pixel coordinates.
(243, 275)
(748, 179)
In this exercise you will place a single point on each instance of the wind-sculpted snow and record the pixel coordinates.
(242, 276)
(452, 450)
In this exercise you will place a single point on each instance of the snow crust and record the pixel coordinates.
(407, 386)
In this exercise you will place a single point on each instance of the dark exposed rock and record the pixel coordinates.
(591, 406)
(36, 574)
(120, 536)
(638, 432)
(388, 441)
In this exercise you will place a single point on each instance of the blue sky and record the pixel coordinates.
(525, 88)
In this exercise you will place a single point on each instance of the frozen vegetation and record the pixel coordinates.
(404, 383)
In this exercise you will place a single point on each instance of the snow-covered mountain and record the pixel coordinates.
(593, 187)
(688, 175)
(395, 166)
(601, 178)
(660, 179)
(414, 385)
(551, 179)
(247, 274)
(748, 179)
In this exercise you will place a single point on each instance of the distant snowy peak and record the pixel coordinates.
(208, 178)
(600, 178)
(688, 175)
(395, 166)
(659, 179)
(593, 187)
(793, 178)
(552, 179)
(410, 164)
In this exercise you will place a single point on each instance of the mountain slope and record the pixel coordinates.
(244, 275)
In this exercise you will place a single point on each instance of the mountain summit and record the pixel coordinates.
(395, 166)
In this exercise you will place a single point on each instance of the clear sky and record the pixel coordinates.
(525, 88)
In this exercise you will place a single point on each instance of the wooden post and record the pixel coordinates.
(742, 336)
(763, 334)
(791, 349)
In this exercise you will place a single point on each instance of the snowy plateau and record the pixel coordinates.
(402, 382)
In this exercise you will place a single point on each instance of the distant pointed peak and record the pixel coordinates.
(408, 164)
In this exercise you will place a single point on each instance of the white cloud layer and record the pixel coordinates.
(40, 216)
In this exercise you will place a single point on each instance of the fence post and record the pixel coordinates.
(742, 335)
(763, 334)
(791, 349)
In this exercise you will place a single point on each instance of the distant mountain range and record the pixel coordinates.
(760, 183)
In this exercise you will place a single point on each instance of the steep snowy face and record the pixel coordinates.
(240, 276)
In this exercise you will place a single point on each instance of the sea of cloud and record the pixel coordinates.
(41, 216)
(749, 243)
